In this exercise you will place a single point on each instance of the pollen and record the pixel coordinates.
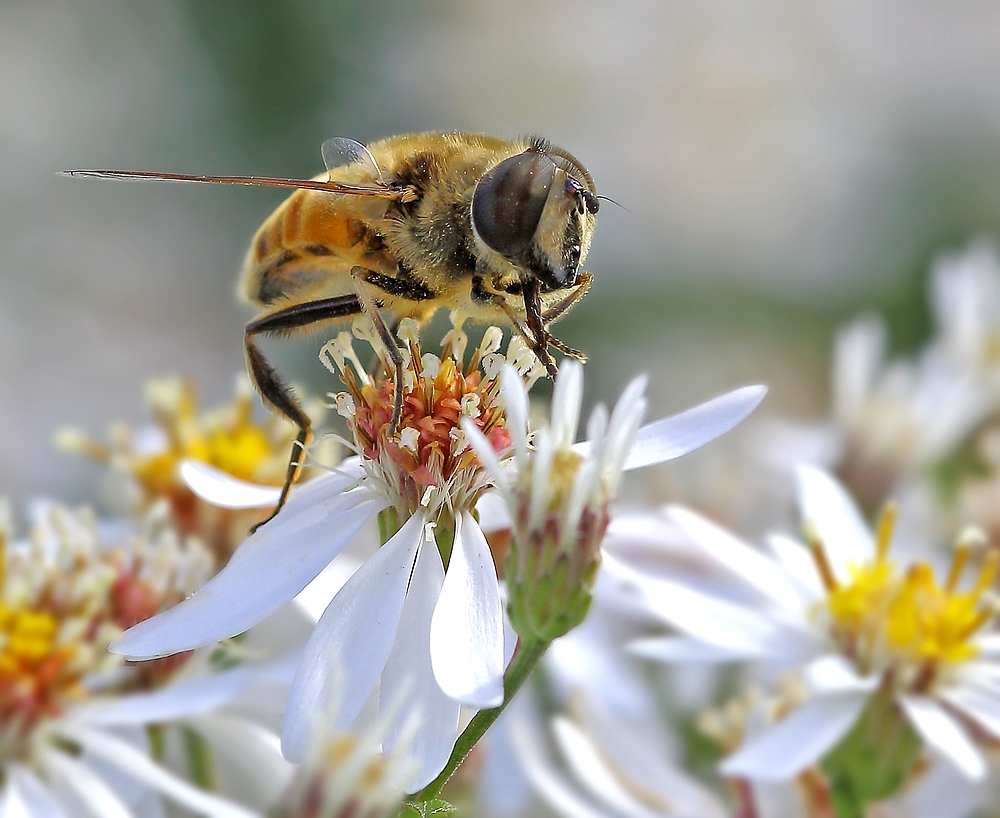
(429, 451)
(888, 617)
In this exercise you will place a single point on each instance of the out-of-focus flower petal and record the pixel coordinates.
(24, 796)
(979, 706)
(493, 511)
(467, 640)
(408, 685)
(834, 674)
(85, 785)
(735, 556)
(721, 623)
(352, 640)
(671, 437)
(529, 745)
(799, 564)
(684, 649)
(592, 771)
(944, 734)
(836, 520)
(798, 740)
(176, 701)
(137, 764)
(266, 571)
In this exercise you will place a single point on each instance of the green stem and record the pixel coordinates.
(528, 655)
(199, 759)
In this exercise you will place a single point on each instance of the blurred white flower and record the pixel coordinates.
(71, 715)
(854, 620)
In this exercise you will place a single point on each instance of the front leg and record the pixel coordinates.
(369, 285)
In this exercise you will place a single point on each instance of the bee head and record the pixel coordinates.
(537, 209)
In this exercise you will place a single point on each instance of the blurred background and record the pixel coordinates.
(782, 166)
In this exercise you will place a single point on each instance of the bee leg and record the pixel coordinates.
(566, 349)
(578, 291)
(537, 337)
(365, 281)
(274, 391)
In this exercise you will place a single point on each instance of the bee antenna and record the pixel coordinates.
(616, 204)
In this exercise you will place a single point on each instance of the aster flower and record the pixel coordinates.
(424, 613)
(869, 634)
(347, 775)
(71, 715)
(144, 464)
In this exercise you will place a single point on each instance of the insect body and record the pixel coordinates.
(494, 229)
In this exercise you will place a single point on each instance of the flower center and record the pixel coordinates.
(886, 618)
(428, 460)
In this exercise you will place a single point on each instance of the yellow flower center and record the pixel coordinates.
(886, 618)
(36, 673)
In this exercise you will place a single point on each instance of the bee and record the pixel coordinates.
(494, 229)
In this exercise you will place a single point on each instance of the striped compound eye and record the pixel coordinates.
(508, 203)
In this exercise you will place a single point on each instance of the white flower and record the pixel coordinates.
(855, 622)
(72, 741)
(402, 622)
(965, 300)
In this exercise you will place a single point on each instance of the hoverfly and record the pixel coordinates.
(491, 228)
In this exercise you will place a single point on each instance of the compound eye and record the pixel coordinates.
(508, 203)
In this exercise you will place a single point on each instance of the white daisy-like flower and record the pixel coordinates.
(421, 620)
(965, 301)
(855, 621)
(72, 716)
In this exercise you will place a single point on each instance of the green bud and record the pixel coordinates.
(551, 570)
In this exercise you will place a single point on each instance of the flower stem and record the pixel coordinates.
(527, 657)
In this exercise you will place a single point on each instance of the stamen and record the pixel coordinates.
(970, 538)
(820, 558)
(988, 573)
(886, 526)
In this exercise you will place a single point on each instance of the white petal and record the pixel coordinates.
(27, 797)
(123, 755)
(731, 553)
(246, 757)
(266, 571)
(977, 704)
(798, 740)
(585, 761)
(708, 619)
(684, 649)
(944, 734)
(515, 401)
(187, 698)
(530, 746)
(85, 785)
(567, 398)
(467, 627)
(314, 598)
(409, 688)
(222, 489)
(989, 645)
(671, 437)
(642, 760)
(834, 516)
(798, 563)
(484, 452)
(494, 514)
(834, 674)
(351, 643)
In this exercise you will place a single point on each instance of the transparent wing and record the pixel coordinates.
(341, 151)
